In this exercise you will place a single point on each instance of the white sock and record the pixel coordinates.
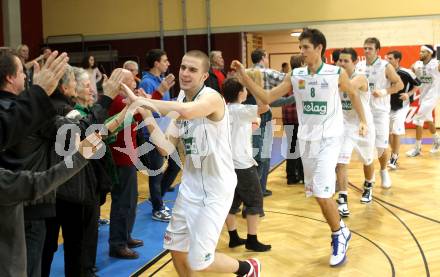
(394, 156)
(343, 192)
(418, 144)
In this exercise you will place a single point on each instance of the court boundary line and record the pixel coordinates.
(422, 253)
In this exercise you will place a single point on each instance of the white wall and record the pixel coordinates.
(392, 32)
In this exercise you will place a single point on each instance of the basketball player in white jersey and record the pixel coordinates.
(363, 146)
(427, 70)
(320, 126)
(208, 180)
(400, 104)
(382, 81)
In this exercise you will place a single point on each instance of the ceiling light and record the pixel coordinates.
(295, 34)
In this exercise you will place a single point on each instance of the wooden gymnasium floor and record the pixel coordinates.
(395, 235)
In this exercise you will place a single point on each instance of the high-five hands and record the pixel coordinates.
(111, 86)
(49, 75)
(238, 67)
(141, 102)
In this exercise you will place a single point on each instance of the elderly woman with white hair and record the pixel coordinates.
(77, 203)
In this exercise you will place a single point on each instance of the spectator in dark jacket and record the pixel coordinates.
(21, 115)
(16, 187)
(27, 112)
(78, 196)
(217, 74)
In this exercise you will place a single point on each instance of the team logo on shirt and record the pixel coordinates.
(301, 84)
(346, 105)
(315, 107)
(426, 79)
(190, 146)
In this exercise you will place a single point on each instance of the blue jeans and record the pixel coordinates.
(35, 231)
(262, 141)
(159, 183)
(123, 208)
(263, 172)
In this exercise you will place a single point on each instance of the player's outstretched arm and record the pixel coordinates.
(266, 97)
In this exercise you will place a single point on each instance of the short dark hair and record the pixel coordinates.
(396, 54)
(257, 55)
(202, 56)
(350, 51)
(231, 88)
(153, 56)
(296, 61)
(8, 67)
(374, 41)
(316, 37)
(335, 55)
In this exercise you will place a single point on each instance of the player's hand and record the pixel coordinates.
(256, 124)
(237, 66)
(380, 93)
(363, 129)
(404, 96)
(141, 93)
(239, 70)
(145, 113)
(130, 96)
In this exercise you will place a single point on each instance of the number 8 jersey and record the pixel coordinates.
(318, 102)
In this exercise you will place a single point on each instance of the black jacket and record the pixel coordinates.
(16, 187)
(212, 81)
(409, 80)
(83, 188)
(23, 116)
(33, 152)
(18, 119)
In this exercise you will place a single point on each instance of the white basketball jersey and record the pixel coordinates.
(209, 169)
(350, 115)
(377, 80)
(318, 103)
(429, 75)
